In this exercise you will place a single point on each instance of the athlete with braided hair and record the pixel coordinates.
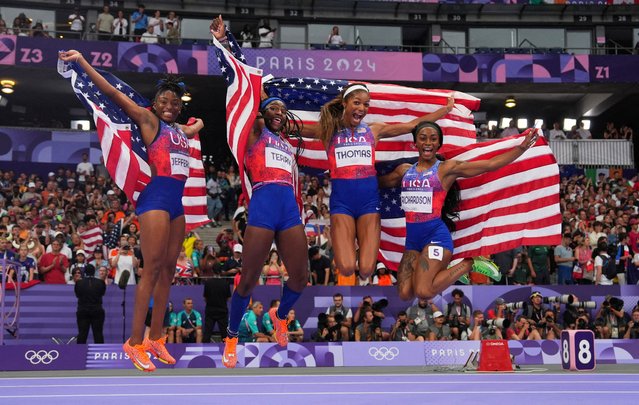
(429, 199)
(159, 206)
(273, 214)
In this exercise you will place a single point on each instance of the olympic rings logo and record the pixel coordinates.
(383, 353)
(41, 356)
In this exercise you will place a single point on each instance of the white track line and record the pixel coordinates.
(332, 393)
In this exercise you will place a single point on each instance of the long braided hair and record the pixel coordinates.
(172, 83)
(450, 210)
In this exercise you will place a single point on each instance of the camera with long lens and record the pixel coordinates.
(380, 305)
(616, 303)
(562, 299)
(493, 324)
(511, 306)
(585, 304)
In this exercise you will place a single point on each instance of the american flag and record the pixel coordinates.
(91, 238)
(124, 152)
(498, 206)
(244, 84)
(516, 205)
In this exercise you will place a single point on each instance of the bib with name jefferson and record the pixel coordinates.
(351, 153)
(270, 160)
(422, 194)
(168, 154)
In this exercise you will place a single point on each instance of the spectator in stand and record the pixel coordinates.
(539, 264)
(601, 257)
(150, 37)
(76, 24)
(120, 29)
(38, 31)
(217, 292)
(89, 290)
(104, 24)
(172, 34)
(583, 255)
(439, 330)
(266, 34)
(295, 331)
(626, 133)
(383, 276)
(556, 132)
(158, 25)
(123, 259)
(345, 315)
(84, 169)
(273, 271)
(189, 324)
(583, 132)
(510, 130)
(3, 27)
(234, 264)
(183, 270)
(213, 200)
(21, 25)
(80, 264)
(26, 269)
(54, 265)
(623, 258)
(573, 134)
(61, 237)
(335, 40)
(240, 219)
(548, 327)
(507, 262)
(210, 263)
(320, 267)
(246, 37)
(564, 258)
(140, 21)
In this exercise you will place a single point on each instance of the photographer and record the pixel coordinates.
(367, 331)
(420, 316)
(611, 318)
(328, 329)
(548, 327)
(401, 329)
(522, 330)
(534, 310)
(483, 330)
(457, 314)
(632, 331)
(439, 330)
(342, 315)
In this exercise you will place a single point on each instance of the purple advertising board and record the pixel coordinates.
(348, 65)
(270, 355)
(42, 357)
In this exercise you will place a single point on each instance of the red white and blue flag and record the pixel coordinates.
(124, 152)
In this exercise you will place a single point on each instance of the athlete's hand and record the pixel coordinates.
(70, 56)
(530, 139)
(218, 29)
(450, 104)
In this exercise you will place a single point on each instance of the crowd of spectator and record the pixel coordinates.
(49, 227)
(557, 133)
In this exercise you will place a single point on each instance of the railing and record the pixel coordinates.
(442, 47)
(9, 316)
(594, 152)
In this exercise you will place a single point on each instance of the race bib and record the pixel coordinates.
(417, 201)
(355, 155)
(179, 164)
(277, 158)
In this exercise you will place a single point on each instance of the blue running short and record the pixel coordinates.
(273, 206)
(433, 232)
(162, 193)
(354, 197)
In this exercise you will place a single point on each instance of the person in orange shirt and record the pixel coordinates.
(343, 280)
(383, 276)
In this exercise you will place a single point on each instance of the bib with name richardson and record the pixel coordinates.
(422, 194)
